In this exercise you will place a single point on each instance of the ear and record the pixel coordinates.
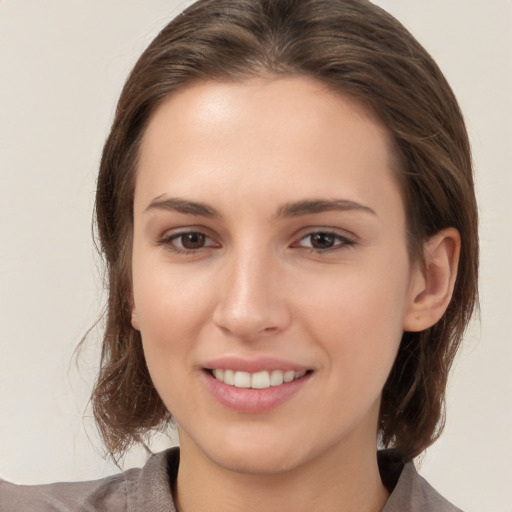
(135, 318)
(432, 285)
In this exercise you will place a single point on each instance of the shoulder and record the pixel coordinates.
(105, 494)
(134, 490)
(410, 491)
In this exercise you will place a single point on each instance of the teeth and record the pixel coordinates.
(242, 380)
(276, 378)
(258, 380)
(289, 376)
(229, 377)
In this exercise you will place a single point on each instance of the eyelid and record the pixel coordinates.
(345, 240)
(170, 236)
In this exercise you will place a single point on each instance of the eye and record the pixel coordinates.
(324, 241)
(188, 241)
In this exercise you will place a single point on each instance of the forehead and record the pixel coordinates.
(269, 135)
(300, 103)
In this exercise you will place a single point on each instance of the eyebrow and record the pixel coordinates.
(311, 206)
(183, 206)
(292, 209)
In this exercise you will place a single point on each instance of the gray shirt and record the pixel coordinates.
(148, 489)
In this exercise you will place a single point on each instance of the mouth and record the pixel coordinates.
(258, 380)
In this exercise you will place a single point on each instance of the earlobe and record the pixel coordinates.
(432, 286)
(135, 320)
(134, 317)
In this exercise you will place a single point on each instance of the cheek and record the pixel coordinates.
(170, 318)
(170, 309)
(167, 298)
(174, 306)
(357, 315)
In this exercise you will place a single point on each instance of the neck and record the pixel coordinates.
(341, 482)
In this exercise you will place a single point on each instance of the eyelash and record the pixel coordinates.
(343, 242)
(168, 242)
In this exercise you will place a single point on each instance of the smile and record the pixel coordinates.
(258, 380)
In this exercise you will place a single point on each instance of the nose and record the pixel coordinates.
(251, 298)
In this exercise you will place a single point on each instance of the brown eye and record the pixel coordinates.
(322, 240)
(191, 241)
(188, 242)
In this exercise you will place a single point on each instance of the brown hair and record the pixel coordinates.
(353, 47)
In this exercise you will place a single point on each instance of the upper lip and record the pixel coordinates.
(253, 365)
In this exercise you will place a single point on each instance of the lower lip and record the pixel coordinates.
(253, 401)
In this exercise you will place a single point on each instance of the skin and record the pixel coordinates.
(257, 284)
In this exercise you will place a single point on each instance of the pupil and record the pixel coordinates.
(193, 240)
(322, 240)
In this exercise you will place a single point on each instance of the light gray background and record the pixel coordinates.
(62, 65)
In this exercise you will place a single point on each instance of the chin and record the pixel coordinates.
(259, 463)
(245, 451)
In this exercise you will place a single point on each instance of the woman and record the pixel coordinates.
(286, 208)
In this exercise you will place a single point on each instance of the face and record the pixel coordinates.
(270, 270)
